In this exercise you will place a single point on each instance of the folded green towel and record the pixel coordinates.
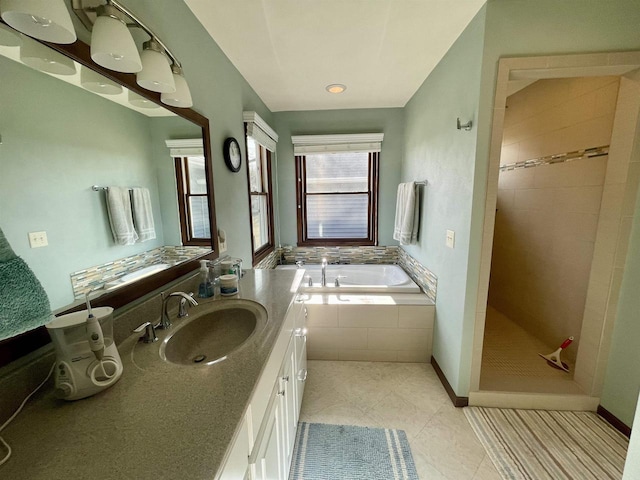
(24, 304)
(6, 252)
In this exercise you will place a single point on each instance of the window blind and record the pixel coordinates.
(260, 130)
(361, 142)
(189, 147)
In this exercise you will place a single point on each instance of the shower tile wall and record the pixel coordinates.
(547, 215)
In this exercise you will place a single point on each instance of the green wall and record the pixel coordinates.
(386, 120)
(502, 28)
(622, 381)
(435, 150)
(57, 141)
(219, 93)
(548, 27)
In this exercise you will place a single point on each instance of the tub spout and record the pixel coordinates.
(323, 278)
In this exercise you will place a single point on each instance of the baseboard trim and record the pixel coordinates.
(456, 400)
(614, 421)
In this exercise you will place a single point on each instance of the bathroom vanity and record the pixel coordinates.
(233, 419)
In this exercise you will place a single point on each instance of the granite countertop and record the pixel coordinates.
(160, 421)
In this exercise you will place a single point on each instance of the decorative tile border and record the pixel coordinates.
(344, 255)
(270, 261)
(420, 274)
(558, 158)
(93, 278)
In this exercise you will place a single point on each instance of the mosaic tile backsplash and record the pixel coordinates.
(93, 278)
(426, 279)
(420, 274)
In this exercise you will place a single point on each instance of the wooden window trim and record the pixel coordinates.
(182, 176)
(258, 255)
(372, 210)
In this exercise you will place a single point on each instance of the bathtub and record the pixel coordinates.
(357, 279)
(135, 276)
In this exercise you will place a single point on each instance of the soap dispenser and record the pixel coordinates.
(205, 289)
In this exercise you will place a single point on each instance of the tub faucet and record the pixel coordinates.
(165, 322)
(323, 278)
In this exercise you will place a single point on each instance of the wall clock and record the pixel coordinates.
(232, 154)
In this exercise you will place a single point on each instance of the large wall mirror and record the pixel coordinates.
(58, 140)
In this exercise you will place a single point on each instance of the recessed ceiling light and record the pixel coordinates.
(336, 88)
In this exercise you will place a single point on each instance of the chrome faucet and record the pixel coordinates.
(323, 278)
(165, 322)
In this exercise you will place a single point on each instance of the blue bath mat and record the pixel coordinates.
(336, 452)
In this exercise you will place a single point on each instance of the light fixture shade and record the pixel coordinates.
(156, 74)
(140, 102)
(9, 37)
(45, 59)
(47, 20)
(182, 96)
(94, 82)
(112, 46)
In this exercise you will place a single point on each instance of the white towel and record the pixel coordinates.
(119, 209)
(407, 214)
(143, 214)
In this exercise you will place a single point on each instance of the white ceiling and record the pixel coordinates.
(290, 50)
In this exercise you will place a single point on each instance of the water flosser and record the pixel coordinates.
(94, 333)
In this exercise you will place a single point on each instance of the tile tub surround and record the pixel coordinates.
(361, 255)
(389, 328)
(200, 408)
(93, 278)
(420, 274)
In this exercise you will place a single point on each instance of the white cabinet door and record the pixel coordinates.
(274, 442)
(237, 463)
(300, 342)
(301, 375)
(267, 463)
(289, 407)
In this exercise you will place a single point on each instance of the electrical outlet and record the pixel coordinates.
(222, 241)
(38, 239)
(451, 238)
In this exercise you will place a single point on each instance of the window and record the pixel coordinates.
(193, 204)
(337, 198)
(261, 147)
(261, 202)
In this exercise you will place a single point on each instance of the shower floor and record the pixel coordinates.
(510, 360)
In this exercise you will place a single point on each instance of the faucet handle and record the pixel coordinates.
(338, 277)
(185, 296)
(182, 312)
(149, 332)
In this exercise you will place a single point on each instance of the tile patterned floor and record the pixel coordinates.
(408, 396)
(510, 360)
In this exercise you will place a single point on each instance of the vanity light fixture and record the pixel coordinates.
(112, 45)
(156, 74)
(140, 102)
(9, 37)
(336, 88)
(94, 82)
(47, 20)
(36, 55)
(156, 68)
(182, 96)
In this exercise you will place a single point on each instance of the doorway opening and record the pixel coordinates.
(555, 232)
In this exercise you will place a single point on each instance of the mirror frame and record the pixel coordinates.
(20, 345)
